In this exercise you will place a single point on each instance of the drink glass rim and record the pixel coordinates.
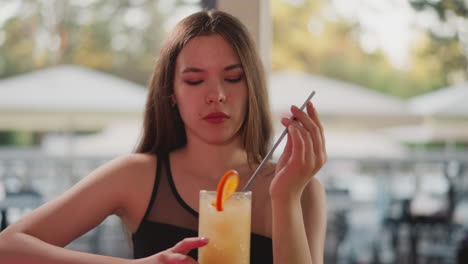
(236, 194)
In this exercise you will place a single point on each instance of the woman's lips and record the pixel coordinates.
(216, 117)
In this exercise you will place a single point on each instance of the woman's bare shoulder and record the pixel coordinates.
(135, 159)
(136, 169)
(137, 175)
(132, 165)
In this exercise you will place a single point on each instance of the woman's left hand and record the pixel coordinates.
(303, 155)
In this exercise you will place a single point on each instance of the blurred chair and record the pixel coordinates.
(429, 238)
(23, 200)
(338, 201)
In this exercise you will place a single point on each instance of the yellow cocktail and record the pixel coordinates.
(228, 230)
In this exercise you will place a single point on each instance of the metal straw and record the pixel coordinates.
(267, 157)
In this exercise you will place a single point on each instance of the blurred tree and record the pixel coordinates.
(123, 36)
(119, 36)
(307, 38)
(15, 138)
(449, 36)
(443, 8)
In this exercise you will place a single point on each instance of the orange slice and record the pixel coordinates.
(227, 186)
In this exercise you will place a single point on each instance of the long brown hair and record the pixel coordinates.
(163, 127)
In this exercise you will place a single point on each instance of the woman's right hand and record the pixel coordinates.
(176, 254)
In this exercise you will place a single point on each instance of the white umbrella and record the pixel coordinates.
(67, 98)
(444, 117)
(445, 102)
(339, 104)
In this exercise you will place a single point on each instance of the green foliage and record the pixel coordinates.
(447, 47)
(121, 37)
(334, 51)
(438, 146)
(16, 138)
(441, 7)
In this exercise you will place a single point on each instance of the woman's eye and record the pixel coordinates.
(193, 82)
(234, 80)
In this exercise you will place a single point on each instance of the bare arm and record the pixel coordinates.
(40, 236)
(289, 235)
(315, 218)
(299, 227)
(298, 200)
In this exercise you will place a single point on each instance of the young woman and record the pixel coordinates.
(206, 113)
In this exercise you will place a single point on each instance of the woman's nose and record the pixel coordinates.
(216, 94)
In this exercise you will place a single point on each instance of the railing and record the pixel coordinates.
(30, 179)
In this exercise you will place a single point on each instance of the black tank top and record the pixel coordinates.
(168, 220)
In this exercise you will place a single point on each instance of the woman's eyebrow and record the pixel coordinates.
(192, 69)
(227, 68)
(231, 67)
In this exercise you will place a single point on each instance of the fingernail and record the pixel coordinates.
(309, 103)
(294, 108)
(285, 120)
(204, 239)
(287, 115)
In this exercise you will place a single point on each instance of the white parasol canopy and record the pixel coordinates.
(445, 102)
(444, 117)
(67, 98)
(350, 114)
(343, 105)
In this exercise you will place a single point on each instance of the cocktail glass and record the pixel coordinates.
(228, 230)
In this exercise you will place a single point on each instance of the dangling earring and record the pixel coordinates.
(173, 101)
